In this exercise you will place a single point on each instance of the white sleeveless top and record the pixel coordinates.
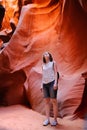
(48, 73)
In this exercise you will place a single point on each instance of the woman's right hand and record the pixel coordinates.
(55, 87)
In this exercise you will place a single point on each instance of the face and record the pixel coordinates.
(46, 55)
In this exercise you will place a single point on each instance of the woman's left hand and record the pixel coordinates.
(55, 87)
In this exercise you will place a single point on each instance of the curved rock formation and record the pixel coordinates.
(11, 7)
(12, 90)
(60, 28)
(2, 13)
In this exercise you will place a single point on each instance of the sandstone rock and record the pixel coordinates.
(10, 8)
(38, 30)
(2, 13)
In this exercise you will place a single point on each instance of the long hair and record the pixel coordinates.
(50, 58)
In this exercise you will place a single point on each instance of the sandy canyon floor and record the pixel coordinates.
(19, 117)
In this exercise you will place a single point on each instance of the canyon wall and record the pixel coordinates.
(60, 28)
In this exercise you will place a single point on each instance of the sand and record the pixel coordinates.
(19, 117)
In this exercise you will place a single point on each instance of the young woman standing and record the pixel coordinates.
(49, 87)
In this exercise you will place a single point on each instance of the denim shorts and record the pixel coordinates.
(48, 90)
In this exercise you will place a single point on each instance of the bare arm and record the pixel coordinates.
(41, 87)
(55, 73)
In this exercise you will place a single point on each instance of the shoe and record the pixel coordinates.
(54, 123)
(46, 122)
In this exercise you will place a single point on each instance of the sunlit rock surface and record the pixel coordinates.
(59, 28)
(11, 6)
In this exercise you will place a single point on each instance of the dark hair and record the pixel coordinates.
(50, 58)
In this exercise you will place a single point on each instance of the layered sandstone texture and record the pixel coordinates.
(55, 26)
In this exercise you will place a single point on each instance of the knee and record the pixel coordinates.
(53, 101)
(47, 101)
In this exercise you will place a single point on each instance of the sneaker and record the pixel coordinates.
(54, 123)
(46, 122)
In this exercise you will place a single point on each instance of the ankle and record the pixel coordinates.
(55, 119)
(48, 118)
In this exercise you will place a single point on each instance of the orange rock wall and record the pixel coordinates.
(10, 8)
(61, 31)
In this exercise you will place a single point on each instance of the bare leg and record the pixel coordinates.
(47, 107)
(55, 108)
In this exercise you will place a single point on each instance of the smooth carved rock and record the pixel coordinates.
(48, 27)
(2, 13)
(12, 88)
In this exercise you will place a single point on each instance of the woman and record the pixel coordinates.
(49, 87)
